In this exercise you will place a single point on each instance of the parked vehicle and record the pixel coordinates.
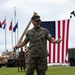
(71, 56)
(12, 62)
(8, 59)
(3, 60)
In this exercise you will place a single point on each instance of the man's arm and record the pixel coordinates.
(52, 40)
(21, 44)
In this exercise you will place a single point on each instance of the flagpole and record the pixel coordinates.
(5, 36)
(12, 36)
(17, 33)
(15, 21)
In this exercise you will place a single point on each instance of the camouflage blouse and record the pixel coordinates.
(37, 42)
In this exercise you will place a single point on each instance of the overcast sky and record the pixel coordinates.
(49, 10)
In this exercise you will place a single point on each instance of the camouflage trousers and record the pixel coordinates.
(36, 63)
(21, 65)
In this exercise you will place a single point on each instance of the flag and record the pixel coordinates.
(3, 22)
(57, 52)
(4, 25)
(10, 27)
(72, 13)
(15, 27)
(0, 25)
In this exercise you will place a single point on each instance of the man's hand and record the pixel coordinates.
(15, 48)
(59, 40)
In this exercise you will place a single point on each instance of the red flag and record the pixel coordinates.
(3, 22)
(58, 52)
(10, 27)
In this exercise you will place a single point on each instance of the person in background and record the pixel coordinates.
(37, 52)
(21, 60)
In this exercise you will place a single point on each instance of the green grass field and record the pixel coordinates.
(52, 70)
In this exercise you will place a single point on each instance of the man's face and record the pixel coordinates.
(36, 23)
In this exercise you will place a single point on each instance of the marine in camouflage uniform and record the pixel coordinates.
(37, 52)
(21, 59)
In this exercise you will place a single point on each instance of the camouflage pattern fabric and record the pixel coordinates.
(38, 63)
(37, 52)
(21, 55)
(21, 59)
(37, 42)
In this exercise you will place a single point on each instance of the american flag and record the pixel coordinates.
(60, 28)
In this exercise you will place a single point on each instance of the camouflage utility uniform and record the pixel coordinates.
(21, 60)
(37, 53)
